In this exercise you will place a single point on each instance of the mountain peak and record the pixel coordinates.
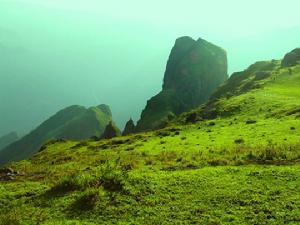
(129, 127)
(105, 108)
(110, 131)
(74, 122)
(194, 70)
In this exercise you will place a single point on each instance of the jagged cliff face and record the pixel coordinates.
(194, 70)
(110, 131)
(74, 122)
(129, 128)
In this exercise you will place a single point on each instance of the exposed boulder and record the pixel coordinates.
(7, 174)
(291, 58)
(194, 70)
(129, 128)
(111, 131)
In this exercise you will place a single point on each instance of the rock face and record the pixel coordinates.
(194, 70)
(7, 174)
(291, 58)
(129, 128)
(111, 131)
(8, 139)
(74, 122)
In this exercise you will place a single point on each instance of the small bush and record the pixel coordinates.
(165, 156)
(250, 156)
(239, 141)
(87, 200)
(11, 218)
(129, 148)
(113, 181)
(111, 178)
(71, 182)
(251, 121)
(218, 162)
(163, 133)
(211, 124)
(148, 162)
(192, 118)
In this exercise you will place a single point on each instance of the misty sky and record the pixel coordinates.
(56, 53)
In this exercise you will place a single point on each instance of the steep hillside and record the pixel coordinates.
(234, 160)
(194, 70)
(8, 139)
(74, 123)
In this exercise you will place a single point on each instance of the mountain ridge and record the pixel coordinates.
(74, 122)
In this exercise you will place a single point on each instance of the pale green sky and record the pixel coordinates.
(61, 52)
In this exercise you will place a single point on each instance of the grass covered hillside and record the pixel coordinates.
(74, 123)
(234, 160)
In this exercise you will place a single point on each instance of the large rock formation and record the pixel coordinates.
(8, 139)
(129, 128)
(74, 122)
(194, 70)
(291, 58)
(110, 131)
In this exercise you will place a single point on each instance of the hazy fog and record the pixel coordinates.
(55, 53)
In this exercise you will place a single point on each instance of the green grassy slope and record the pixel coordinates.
(74, 122)
(232, 161)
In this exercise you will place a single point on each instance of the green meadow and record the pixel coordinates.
(240, 167)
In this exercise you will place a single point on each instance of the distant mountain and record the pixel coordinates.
(74, 122)
(8, 139)
(194, 70)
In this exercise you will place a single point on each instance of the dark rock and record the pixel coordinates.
(192, 118)
(7, 174)
(250, 121)
(129, 127)
(261, 75)
(194, 70)
(6, 170)
(111, 131)
(291, 58)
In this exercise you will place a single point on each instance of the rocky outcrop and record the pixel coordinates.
(111, 131)
(8, 139)
(7, 174)
(194, 70)
(129, 128)
(291, 58)
(73, 123)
